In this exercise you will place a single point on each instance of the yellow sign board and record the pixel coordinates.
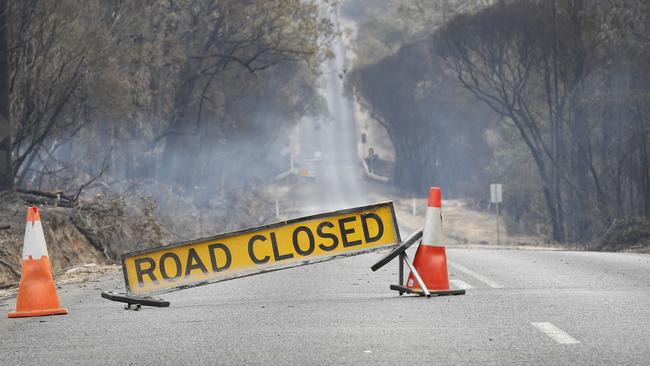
(258, 250)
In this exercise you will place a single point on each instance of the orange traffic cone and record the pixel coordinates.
(430, 259)
(37, 293)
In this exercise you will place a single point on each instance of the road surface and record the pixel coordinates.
(521, 307)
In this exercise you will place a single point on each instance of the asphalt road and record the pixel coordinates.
(521, 307)
(339, 312)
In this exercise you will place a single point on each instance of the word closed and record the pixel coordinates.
(257, 250)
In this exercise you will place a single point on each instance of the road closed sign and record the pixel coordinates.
(262, 249)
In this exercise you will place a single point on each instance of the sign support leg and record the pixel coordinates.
(415, 273)
(401, 272)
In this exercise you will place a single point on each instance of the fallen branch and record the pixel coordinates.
(56, 194)
(5, 227)
(5, 286)
(45, 198)
(11, 268)
(102, 170)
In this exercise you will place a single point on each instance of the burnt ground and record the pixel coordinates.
(94, 233)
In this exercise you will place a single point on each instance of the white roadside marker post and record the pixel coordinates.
(496, 197)
(413, 206)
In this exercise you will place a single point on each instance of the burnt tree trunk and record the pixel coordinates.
(178, 160)
(6, 168)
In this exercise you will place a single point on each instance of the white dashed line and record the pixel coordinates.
(461, 285)
(479, 277)
(555, 333)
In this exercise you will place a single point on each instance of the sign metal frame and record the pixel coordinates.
(306, 261)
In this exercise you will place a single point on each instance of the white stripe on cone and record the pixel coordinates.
(34, 244)
(432, 233)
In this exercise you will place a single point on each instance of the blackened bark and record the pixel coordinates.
(6, 168)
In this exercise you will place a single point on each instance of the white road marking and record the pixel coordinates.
(479, 277)
(555, 333)
(460, 284)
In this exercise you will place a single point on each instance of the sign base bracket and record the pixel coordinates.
(135, 302)
(419, 292)
(423, 290)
